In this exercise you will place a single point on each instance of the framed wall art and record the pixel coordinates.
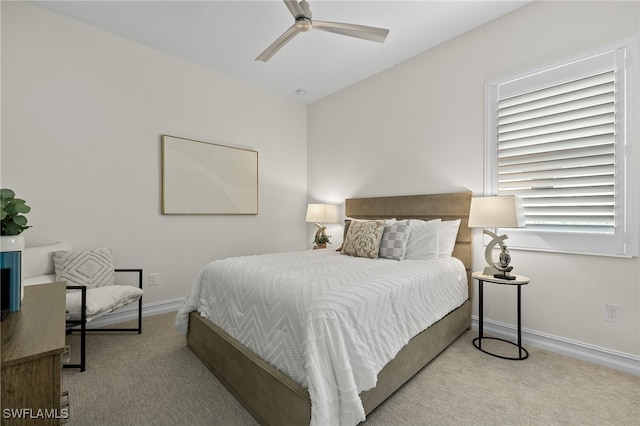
(207, 178)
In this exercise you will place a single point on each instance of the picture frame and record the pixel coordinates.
(208, 178)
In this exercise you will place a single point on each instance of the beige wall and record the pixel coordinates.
(82, 115)
(418, 128)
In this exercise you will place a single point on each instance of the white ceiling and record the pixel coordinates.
(226, 36)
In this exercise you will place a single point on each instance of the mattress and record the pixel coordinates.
(328, 321)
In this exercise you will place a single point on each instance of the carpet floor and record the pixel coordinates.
(154, 379)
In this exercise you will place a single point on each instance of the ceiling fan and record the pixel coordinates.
(303, 23)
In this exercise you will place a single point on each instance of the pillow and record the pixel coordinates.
(90, 268)
(423, 240)
(394, 239)
(447, 235)
(347, 223)
(363, 238)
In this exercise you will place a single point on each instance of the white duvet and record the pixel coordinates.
(328, 321)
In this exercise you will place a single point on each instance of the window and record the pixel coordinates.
(561, 138)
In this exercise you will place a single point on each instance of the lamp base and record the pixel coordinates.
(496, 273)
(505, 276)
(490, 270)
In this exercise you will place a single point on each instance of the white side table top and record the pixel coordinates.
(520, 279)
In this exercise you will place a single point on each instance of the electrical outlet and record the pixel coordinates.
(612, 313)
(153, 279)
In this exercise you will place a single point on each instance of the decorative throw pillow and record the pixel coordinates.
(394, 239)
(347, 223)
(89, 268)
(363, 238)
(423, 241)
(447, 235)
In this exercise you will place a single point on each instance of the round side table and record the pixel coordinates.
(519, 281)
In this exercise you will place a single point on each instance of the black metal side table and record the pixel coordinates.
(477, 342)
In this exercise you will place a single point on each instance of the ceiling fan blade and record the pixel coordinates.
(277, 45)
(352, 30)
(294, 8)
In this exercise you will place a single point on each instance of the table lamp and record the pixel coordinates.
(319, 214)
(497, 212)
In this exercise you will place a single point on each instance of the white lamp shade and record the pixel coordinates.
(322, 213)
(505, 211)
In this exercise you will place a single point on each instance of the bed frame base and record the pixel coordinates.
(269, 395)
(416, 355)
(274, 399)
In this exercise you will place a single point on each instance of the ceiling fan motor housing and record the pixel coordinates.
(303, 23)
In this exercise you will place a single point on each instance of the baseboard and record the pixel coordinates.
(594, 354)
(130, 312)
(617, 360)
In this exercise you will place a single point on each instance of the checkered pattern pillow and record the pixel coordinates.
(394, 240)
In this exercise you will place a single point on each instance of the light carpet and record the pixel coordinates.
(154, 379)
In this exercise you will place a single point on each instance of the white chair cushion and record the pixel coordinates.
(39, 260)
(101, 300)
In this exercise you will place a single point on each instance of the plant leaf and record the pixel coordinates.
(12, 229)
(22, 207)
(20, 220)
(6, 193)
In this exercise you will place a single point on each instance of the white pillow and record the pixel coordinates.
(423, 239)
(447, 237)
(92, 268)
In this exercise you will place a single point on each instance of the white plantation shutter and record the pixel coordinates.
(558, 138)
(556, 149)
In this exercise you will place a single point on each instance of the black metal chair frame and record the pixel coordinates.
(72, 325)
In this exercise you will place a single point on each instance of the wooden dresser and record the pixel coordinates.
(33, 341)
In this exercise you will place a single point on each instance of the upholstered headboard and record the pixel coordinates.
(448, 206)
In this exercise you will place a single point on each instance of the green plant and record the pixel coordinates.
(322, 238)
(12, 213)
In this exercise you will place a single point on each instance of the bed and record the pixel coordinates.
(276, 398)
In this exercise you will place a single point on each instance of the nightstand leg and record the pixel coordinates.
(519, 326)
(480, 313)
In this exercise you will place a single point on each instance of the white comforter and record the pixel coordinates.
(328, 321)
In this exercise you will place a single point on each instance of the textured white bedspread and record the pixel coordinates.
(328, 321)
